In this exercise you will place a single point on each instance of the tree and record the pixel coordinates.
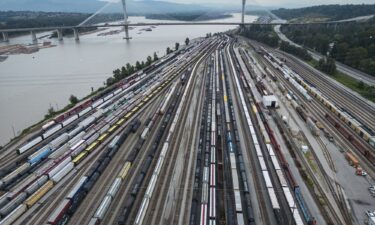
(124, 73)
(73, 99)
(327, 65)
(168, 50)
(355, 55)
(138, 65)
(149, 61)
(155, 56)
(177, 45)
(129, 68)
(110, 81)
(187, 41)
(50, 112)
(331, 66)
(117, 73)
(361, 85)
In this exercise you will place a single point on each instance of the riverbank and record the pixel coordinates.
(18, 49)
(31, 84)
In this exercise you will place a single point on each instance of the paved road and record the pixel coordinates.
(356, 74)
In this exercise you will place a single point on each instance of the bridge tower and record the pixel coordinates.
(5, 37)
(126, 22)
(33, 37)
(243, 12)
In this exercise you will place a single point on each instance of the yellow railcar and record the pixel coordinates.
(127, 116)
(34, 198)
(80, 157)
(135, 109)
(111, 129)
(125, 170)
(120, 122)
(92, 146)
(254, 108)
(103, 137)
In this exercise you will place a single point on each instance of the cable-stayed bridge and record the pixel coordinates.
(126, 24)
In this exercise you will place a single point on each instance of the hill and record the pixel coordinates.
(326, 12)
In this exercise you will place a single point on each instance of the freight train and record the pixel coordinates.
(273, 154)
(363, 131)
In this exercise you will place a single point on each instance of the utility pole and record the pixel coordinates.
(126, 26)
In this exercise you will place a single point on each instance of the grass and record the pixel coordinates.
(361, 88)
(364, 90)
(308, 155)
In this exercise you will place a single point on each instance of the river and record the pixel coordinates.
(30, 84)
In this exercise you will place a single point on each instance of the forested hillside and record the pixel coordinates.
(352, 44)
(326, 12)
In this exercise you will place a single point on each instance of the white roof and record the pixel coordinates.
(270, 98)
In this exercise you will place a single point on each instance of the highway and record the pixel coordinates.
(192, 140)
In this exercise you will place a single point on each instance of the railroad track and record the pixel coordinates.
(327, 155)
(182, 208)
(266, 210)
(340, 140)
(158, 209)
(116, 208)
(342, 97)
(65, 188)
(85, 212)
(361, 110)
(317, 110)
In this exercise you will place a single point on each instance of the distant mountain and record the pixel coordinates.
(90, 6)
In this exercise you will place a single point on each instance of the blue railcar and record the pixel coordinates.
(39, 155)
(302, 205)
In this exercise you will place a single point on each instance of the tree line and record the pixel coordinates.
(266, 35)
(352, 44)
(330, 12)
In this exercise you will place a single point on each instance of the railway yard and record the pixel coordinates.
(223, 131)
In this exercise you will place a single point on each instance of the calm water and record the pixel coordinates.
(30, 84)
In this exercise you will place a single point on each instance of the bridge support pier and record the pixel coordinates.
(59, 34)
(76, 34)
(5, 37)
(33, 37)
(127, 33)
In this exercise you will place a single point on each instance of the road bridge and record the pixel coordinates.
(126, 24)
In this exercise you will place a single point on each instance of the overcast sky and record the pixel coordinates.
(278, 3)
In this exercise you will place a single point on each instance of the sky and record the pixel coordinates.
(278, 3)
